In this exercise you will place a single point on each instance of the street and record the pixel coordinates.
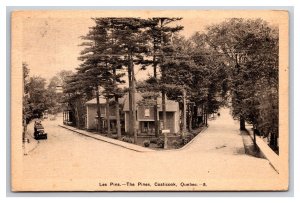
(215, 157)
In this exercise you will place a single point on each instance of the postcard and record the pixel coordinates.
(149, 100)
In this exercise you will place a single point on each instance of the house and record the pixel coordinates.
(92, 117)
(145, 115)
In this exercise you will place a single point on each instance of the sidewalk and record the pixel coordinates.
(108, 140)
(30, 144)
(267, 152)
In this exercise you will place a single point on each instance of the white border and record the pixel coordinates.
(3, 86)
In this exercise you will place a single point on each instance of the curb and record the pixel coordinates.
(267, 152)
(28, 148)
(135, 148)
(125, 145)
(190, 142)
(185, 146)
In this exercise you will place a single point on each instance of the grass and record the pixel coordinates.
(171, 139)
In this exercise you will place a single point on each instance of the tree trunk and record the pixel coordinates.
(118, 122)
(156, 123)
(98, 109)
(154, 67)
(77, 116)
(163, 104)
(118, 117)
(190, 117)
(133, 105)
(273, 141)
(156, 116)
(133, 102)
(107, 117)
(206, 117)
(195, 117)
(254, 135)
(242, 123)
(184, 111)
(24, 128)
(202, 111)
(130, 115)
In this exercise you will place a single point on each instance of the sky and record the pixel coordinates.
(51, 40)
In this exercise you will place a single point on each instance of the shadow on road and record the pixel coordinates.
(250, 148)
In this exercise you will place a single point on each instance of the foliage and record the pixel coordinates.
(76, 93)
(127, 139)
(153, 140)
(55, 96)
(27, 113)
(37, 100)
(146, 143)
(176, 144)
(212, 67)
(160, 143)
(250, 50)
(114, 136)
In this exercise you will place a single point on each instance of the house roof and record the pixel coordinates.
(171, 106)
(103, 101)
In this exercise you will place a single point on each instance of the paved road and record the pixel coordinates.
(221, 137)
(216, 157)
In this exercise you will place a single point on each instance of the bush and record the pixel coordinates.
(180, 141)
(177, 134)
(175, 143)
(195, 132)
(127, 139)
(130, 140)
(146, 143)
(160, 143)
(114, 136)
(189, 135)
(153, 140)
(186, 139)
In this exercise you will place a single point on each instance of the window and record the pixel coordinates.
(147, 112)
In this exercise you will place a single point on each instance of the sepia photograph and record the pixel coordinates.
(149, 100)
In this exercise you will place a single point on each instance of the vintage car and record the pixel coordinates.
(39, 132)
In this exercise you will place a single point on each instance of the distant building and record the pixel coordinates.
(145, 115)
(59, 89)
(92, 117)
(144, 112)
